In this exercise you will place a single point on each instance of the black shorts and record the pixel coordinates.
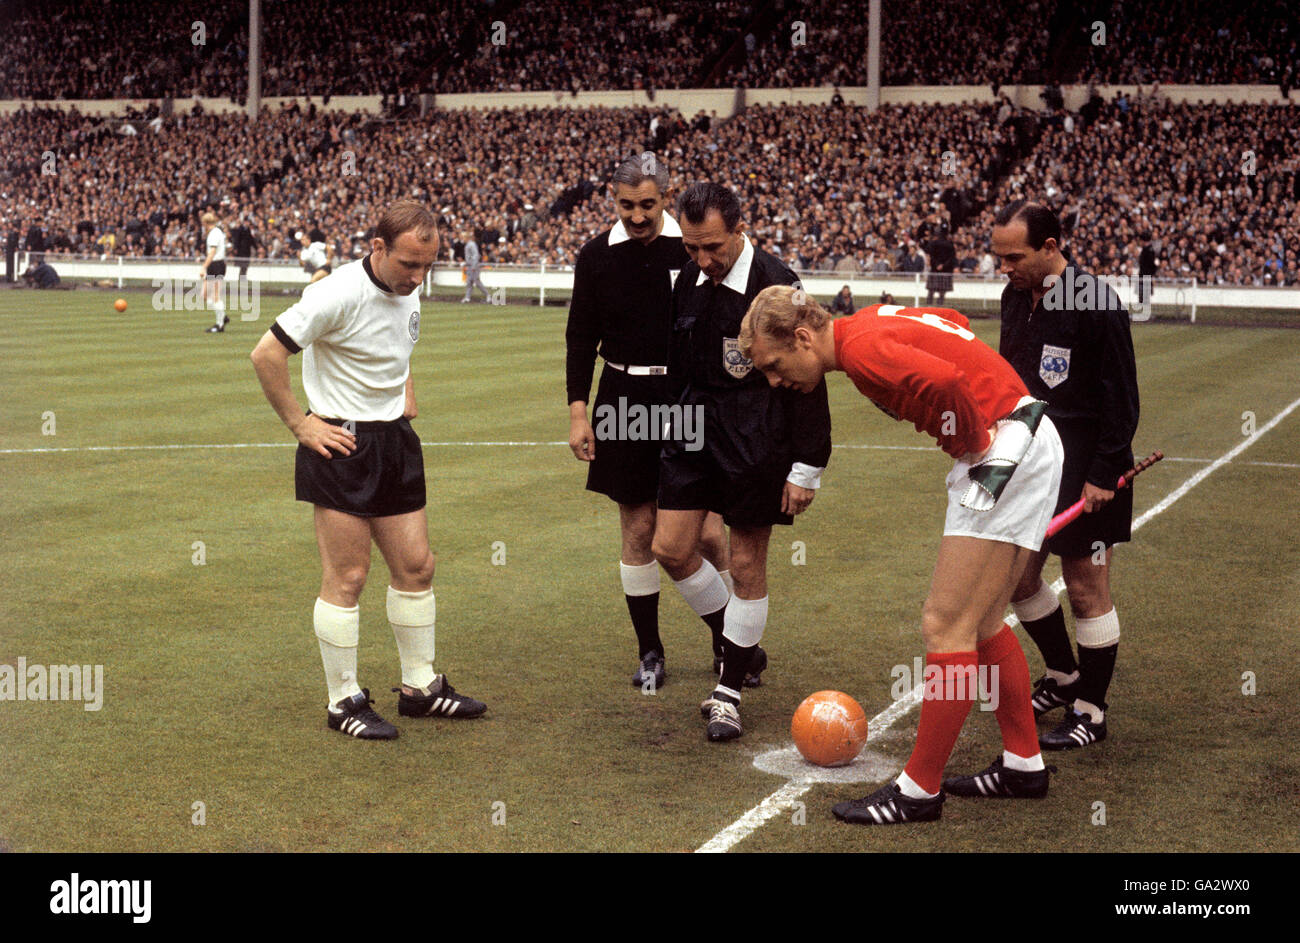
(216, 270)
(1112, 524)
(626, 469)
(740, 472)
(383, 476)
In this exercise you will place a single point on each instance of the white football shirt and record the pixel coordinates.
(314, 256)
(357, 341)
(217, 240)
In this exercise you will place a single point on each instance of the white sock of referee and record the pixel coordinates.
(705, 593)
(1098, 640)
(743, 626)
(338, 630)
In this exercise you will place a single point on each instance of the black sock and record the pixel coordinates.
(644, 611)
(714, 621)
(1096, 665)
(735, 664)
(1053, 641)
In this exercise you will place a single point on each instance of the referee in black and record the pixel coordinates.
(762, 451)
(622, 295)
(1067, 334)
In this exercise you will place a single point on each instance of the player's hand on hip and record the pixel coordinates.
(321, 436)
(795, 500)
(1094, 498)
(581, 439)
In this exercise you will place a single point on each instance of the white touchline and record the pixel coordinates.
(781, 800)
(469, 444)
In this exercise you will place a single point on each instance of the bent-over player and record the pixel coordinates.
(927, 368)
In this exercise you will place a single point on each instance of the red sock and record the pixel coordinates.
(943, 711)
(1015, 714)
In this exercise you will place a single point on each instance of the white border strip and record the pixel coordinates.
(782, 799)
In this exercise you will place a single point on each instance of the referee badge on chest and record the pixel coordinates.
(414, 326)
(736, 363)
(1054, 366)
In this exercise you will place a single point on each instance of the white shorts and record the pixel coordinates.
(1025, 508)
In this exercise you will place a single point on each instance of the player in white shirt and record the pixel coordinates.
(316, 257)
(359, 462)
(214, 270)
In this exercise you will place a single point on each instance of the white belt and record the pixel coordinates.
(638, 371)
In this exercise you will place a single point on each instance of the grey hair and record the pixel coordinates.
(636, 170)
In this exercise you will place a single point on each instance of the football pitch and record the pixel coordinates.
(149, 527)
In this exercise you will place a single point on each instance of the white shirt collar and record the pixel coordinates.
(738, 277)
(620, 234)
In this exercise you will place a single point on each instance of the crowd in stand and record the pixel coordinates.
(1215, 188)
(184, 48)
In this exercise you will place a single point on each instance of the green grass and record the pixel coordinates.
(213, 681)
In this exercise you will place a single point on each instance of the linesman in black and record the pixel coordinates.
(621, 307)
(1067, 335)
(762, 451)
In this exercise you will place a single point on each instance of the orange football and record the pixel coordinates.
(829, 728)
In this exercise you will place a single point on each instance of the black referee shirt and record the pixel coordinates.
(705, 360)
(621, 307)
(1075, 352)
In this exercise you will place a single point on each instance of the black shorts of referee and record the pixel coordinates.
(1111, 524)
(740, 471)
(216, 270)
(383, 476)
(626, 469)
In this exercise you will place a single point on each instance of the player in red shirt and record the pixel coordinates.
(926, 367)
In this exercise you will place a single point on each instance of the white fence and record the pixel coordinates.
(527, 283)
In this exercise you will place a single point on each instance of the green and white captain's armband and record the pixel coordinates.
(1014, 435)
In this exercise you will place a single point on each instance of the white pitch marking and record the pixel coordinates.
(469, 444)
(782, 798)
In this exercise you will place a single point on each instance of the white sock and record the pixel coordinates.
(1060, 677)
(221, 311)
(727, 581)
(639, 580)
(744, 621)
(910, 789)
(337, 631)
(703, 590)
(413, 616)
(1022, 764)
(734, 695)
(1089, 710)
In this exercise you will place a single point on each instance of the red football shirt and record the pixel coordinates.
(924, 365)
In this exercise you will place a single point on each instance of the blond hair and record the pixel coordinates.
(406, 216)
(208, 219)
(775, 313)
